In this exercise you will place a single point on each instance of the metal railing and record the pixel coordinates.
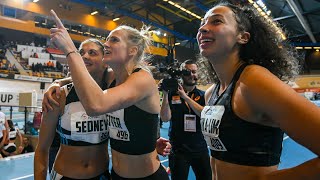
(22, 115)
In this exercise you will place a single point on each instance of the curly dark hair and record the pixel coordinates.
(265, 47)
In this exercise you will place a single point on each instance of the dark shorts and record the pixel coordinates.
(55, 176)
(160, 174)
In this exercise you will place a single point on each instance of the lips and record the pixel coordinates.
(205, 42)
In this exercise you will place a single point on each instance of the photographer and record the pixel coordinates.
(183, 107)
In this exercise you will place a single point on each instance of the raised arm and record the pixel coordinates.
(47, 133)
(197, 108)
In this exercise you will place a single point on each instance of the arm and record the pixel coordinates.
(141, 85)
(47, 133)
(197, 108)
(20, 148)
(269, 97)
(165, 112)
(48, 100)
(4, 132)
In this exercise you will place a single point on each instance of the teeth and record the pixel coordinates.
(206, 40)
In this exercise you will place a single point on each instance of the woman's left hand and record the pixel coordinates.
(60, 36)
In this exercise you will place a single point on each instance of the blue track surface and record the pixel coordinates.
(21, 167)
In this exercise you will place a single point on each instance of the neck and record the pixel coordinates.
(188, 88)
(225, 67)
(122, 72)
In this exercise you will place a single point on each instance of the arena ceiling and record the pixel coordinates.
(301, 18)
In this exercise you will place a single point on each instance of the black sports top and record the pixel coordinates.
(235, 140)
(132, 130)
(75, 127)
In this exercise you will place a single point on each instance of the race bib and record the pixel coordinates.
(92, 129)
(190, 123)
(211, 117)
(117, 127)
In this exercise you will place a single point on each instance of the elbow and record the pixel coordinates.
(93, 110)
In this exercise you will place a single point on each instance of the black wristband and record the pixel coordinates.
(70, 53)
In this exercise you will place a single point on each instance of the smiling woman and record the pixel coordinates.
(250, 103)
(83, 138)
(125, 52)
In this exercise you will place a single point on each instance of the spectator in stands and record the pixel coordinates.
(27, 147)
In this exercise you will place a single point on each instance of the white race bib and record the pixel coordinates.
(211, 117)
(117, 127)
(92, 129)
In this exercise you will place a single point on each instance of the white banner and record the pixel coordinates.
(9, 98)
(33, 78)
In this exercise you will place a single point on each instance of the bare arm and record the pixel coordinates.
(140, 85)
(4, 132)
(165, 112)
(269, 97)
(47, 133)
(197, 108)
(48, 100)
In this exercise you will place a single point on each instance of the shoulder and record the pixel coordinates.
(208, 92)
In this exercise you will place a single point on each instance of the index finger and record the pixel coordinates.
(56, 19)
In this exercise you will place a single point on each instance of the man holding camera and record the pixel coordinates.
(183, 109)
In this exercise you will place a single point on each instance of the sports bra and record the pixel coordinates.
(132, 130)
(235, 140)
(75, 127)
(13, 133)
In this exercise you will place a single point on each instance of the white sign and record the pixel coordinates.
(33, 78)
(9, 98)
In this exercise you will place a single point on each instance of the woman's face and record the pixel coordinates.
(92, 55)
(116, 47)
(217, 35)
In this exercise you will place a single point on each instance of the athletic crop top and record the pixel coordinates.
(132, 130)
(75, 127)
(235, 140)
(13, 133)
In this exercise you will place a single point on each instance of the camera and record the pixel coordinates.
(174, 73)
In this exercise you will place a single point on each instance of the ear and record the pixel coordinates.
(133, 50)
(243, 37)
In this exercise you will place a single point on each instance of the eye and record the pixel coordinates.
(113, 39)
(216, 21)
(92, 52)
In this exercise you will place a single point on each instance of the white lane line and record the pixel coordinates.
(285, 137)
(164, 160)
(23, 177)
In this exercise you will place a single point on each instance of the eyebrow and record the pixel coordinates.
(213, 15)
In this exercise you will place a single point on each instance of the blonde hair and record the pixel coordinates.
(141, 39)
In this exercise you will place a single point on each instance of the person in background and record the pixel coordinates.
(132, 117)
(10, 147)
(3, 131)
(27, 147)
(250, 106)
(183, 110)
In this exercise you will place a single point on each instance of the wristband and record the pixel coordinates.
(70, 53)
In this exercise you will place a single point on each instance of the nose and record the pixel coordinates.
(203, 30)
